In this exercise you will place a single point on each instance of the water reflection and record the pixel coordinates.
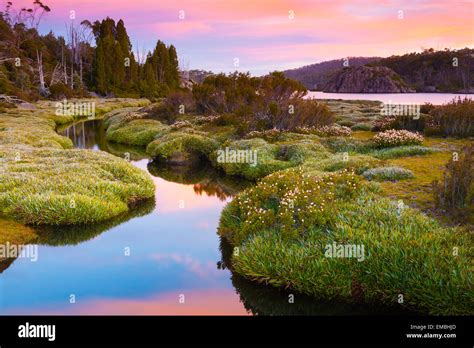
(203, 177)
(174, 250)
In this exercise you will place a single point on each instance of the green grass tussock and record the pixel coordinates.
(136, 132)
(283, 225)
(44, 181)
(181, 146)
(401, 151)
(388, 173)
(57, 187)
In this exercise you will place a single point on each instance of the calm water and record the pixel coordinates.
(173, 251)
(433, 98)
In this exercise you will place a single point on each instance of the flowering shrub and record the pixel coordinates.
(394, 137)
(384, 123)
(206, 119)
(130, 116)
(269, 134)
(287, 200)
(181, 124)
(326, 131)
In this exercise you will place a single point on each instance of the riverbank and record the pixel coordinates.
(44, 181)
(280, 228)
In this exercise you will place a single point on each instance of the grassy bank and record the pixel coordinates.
(44, 181)
(319, 186)
(281, 229)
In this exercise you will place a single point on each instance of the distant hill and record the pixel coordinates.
(427, 71)
(366, 79)
(315, 76)
(435, 71)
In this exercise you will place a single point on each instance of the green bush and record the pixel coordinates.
(387, 173)
(394, 137)
(455, 118)
(455, 192)
(60, 91)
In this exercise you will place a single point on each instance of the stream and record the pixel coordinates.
(162, 258)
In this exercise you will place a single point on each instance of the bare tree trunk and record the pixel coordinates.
(63, 63)
(80, 67)
(39, 57)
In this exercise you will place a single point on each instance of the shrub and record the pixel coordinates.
(426, 108)
(271, 135)
(286, 200)
(326, 131)
(387, 173)
(397, 138)
(60, 91)
(169, 109)
(306, 113)
(455, 118)
(456, 191)
(181, 124)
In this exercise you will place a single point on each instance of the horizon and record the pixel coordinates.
(276, 35)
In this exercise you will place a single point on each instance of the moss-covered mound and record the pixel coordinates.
(284, 228)
(43, 181)
(136, 132)
(58, 187)
(181, 147)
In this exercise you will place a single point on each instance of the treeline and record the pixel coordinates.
(435, 71)
(116, 71)
(427, 71)
(93, 57)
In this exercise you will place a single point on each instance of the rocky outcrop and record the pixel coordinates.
(366, 79)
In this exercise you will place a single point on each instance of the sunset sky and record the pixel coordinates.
(267, 35)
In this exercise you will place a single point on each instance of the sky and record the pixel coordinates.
(266, 35)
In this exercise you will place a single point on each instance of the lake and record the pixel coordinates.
(162, 258)
(401, 98)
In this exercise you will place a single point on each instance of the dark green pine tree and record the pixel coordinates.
(172, 73)
(99, 77)
(150, 83)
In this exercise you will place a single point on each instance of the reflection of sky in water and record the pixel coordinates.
(173, 251)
